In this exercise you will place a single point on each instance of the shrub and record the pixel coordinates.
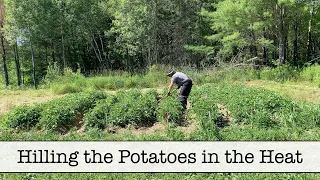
(110, 82)
(65, 88)
(155, 77)
(312, 74)
(53, 73)
(281, 73)
(70, 82)
(132, 82)
(23, 117)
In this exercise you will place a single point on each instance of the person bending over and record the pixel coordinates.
(181, 80)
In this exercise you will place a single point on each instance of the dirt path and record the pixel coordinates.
(157, 128)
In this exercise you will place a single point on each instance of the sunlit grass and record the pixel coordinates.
(301, 91)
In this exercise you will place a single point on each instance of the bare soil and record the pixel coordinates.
(226, 114)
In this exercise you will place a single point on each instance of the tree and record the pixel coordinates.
(4, 58)
(247, 28)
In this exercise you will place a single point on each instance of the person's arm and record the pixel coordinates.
(170, 88)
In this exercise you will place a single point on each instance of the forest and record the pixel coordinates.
(95, 36)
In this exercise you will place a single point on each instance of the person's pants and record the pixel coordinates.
(184, 92)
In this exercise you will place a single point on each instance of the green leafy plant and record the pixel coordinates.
(133, 107)
(170, 109)
(62, 114)
(126, 107)
(98, 116)
(23, 117)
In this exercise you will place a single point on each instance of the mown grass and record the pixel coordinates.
(29, 92)
(12, 98)
(301, 91)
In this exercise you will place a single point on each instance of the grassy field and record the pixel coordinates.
(222, 107)
(10, 99)
(300, 91)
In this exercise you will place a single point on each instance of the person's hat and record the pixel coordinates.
(170, 72)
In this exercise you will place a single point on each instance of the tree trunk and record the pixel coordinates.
(265, 51)
(154, 58)
(309, 44)
(53, 53)
(286, 47)
(295, 43)
(103, 48)
(265, 56)
(17, 62)
(282, 39)
(253, 48)
(33, 65)
(46, 54)
(63, 54)
(281, 51)
(98, 49)
(149, 53)
(4, 58)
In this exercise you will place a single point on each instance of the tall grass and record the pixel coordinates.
(72, 82)
(312, 74)
(67, 81)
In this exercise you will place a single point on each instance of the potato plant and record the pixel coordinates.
(23, 117)
(258, 107)
(146, 106)
(60, 114)
(133, 107)
(170, 109)
(206, 110)
(98, 116)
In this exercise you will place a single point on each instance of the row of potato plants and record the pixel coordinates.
(134, 107)
(126, 107)
(55, 115)
(258, 107)
(96, 110)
